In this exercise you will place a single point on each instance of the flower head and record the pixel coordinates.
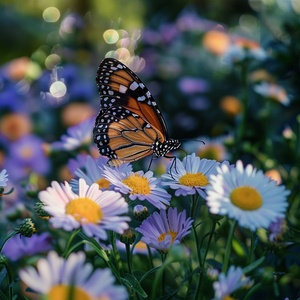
(56, 278)
(76, 136)
(227, 284)
(92, 172)
(92, 209)
(246, 195)
(3, 178)
(20, 246)
(162, 230)
(138, 185)
(191, 175)
(272, 91)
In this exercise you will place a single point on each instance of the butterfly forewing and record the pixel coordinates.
(118, 85)
(129, 125)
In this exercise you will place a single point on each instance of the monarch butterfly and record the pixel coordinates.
(129, 125)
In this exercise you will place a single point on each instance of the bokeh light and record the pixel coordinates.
(111, 36)
(51, 14)
(58, 89)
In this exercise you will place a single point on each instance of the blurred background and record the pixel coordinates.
(222, 72)
(225, 73)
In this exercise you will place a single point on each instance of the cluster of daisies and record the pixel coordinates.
(99, 198)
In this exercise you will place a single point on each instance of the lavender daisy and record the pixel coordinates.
(22, 246)
(191, 175)
(3, 178)
(164, 229)
(59, 278)
(91, 209)
(138, 185)
(76, 136)
(91, 172)
(229, 283)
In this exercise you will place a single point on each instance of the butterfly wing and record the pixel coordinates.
(129, 125)
(118, 85)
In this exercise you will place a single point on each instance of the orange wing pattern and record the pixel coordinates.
(129, 125)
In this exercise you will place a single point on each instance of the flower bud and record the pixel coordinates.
(40, 211)
(128, 236)
(26, 228)
(140, 212)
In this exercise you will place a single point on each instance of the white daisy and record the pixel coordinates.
(91, 209)
(191, 175)
(138, 185)
(56, 278)
(229, 283)
(246, 195)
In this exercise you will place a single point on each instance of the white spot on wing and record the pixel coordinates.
(122, 89)
(134, 86)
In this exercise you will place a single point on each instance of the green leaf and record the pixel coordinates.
(254, 265)
(134, 284)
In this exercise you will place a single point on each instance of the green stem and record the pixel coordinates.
(251, 249)
(116, 254)
(73, 235)
(129, 257)
(228, 247)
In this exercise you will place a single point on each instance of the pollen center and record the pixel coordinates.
(173, 235)
(84, 210)
(138, 184)
(194, 179)
(103, 183)
(67, 292)
(246, 198)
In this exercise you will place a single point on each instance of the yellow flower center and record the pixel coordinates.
(103, 183)
(138, 184)
(227, 297)
(173, 235)
(246, 198)
(213, 151)
(67, 292)
(194, 179)
(84, 210)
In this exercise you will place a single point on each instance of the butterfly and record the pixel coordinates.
(129, 125)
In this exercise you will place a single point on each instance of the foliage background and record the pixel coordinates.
(167, 40)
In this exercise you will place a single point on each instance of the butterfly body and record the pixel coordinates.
(129, 125)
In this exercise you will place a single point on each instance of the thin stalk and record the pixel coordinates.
(228, 247)
(73, 235)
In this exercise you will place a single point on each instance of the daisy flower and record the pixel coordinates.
(190, 175)
(246, 195)
(19, 247)
(56, 278)
(77, 135)
(138, 185)
(164, 229)
(272, 91)
(229, 283)
(91, 209)
(3, 178)
(91, 172)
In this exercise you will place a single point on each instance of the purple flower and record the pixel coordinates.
(21, 246)
(192, 85)
(162, 230)
(26, 155)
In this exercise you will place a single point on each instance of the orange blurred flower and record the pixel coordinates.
(76, 112)
(274, 175)
(216, 42)
(231, 105)
(15, 125)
